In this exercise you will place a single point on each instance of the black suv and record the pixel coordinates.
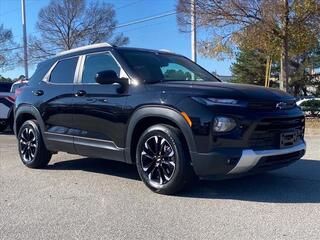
(155, 109)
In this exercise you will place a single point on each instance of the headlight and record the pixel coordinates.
(220, 101)
(223, 124)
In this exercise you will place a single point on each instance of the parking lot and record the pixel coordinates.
(81, 198)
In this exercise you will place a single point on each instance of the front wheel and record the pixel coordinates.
(162, 160)
(32, 150)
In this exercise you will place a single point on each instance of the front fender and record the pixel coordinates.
(158, 111)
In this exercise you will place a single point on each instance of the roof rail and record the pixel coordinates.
(165, 50)
(97, 45)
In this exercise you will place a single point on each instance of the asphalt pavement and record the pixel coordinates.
(82, 198)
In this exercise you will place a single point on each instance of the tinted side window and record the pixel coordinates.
(64, 71)
(40, 71)
(96, 63)
(5, 87)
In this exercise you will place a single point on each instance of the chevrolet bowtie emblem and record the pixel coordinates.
(281, 105)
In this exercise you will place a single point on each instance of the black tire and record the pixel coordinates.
(3, 127)
(33, 153)
(162, 159)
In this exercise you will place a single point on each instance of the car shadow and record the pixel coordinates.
(298, 183)
(97, 165)
(7, 132)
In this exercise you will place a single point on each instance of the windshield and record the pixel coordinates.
(156, 67)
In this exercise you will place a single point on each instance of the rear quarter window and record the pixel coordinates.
(63, 72)
(5, 87)
(40, 72)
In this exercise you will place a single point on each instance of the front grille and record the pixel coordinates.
(267, 132)
(269, 105)
(278, 160)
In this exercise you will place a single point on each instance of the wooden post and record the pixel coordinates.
(267, 72)
(269, 75)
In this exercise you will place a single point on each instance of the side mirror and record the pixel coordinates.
(111, 77)
(107, 77)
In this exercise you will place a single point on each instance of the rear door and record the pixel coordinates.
(98, 110)
(55, 101)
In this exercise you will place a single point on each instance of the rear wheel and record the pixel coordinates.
(32, 150)
(162, 161)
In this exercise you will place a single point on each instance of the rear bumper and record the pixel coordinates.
(231, 162)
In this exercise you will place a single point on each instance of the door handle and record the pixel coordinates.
(80, 93)
(38, 93)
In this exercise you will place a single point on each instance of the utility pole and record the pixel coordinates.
(193, 31)
(25, 58)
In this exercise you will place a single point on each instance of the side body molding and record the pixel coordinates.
(157, 111)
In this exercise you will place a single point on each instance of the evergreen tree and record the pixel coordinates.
(250, 67)
(5, 80)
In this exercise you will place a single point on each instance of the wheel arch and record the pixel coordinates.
(150, 115)
(24, 113)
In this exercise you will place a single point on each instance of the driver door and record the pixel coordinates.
(98, 110)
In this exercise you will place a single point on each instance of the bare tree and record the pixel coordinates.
(279, 28)
(66, 24)
(7, 48)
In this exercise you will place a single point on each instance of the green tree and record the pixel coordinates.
(281, 29)
(302, 72)
(5, 80)
(250, 68)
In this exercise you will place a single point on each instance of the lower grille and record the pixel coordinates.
(277, 160)
(267, 132)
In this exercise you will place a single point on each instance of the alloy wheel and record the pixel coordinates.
(158, 160)
(28, 144)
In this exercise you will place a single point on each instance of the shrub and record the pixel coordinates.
(311, 107)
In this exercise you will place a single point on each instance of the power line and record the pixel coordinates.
(146, 19)
(137, 21)
(10, 49)
(128, 5)
(144, 26)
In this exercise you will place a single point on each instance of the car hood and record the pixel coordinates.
(230, 90)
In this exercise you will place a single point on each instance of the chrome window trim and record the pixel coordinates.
(79, 71)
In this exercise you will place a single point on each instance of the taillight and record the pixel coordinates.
(17, 93)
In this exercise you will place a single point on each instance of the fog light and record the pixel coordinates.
(224, 124)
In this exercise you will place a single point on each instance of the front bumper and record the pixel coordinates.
(231, 162)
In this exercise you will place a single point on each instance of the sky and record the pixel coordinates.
(160, 33)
